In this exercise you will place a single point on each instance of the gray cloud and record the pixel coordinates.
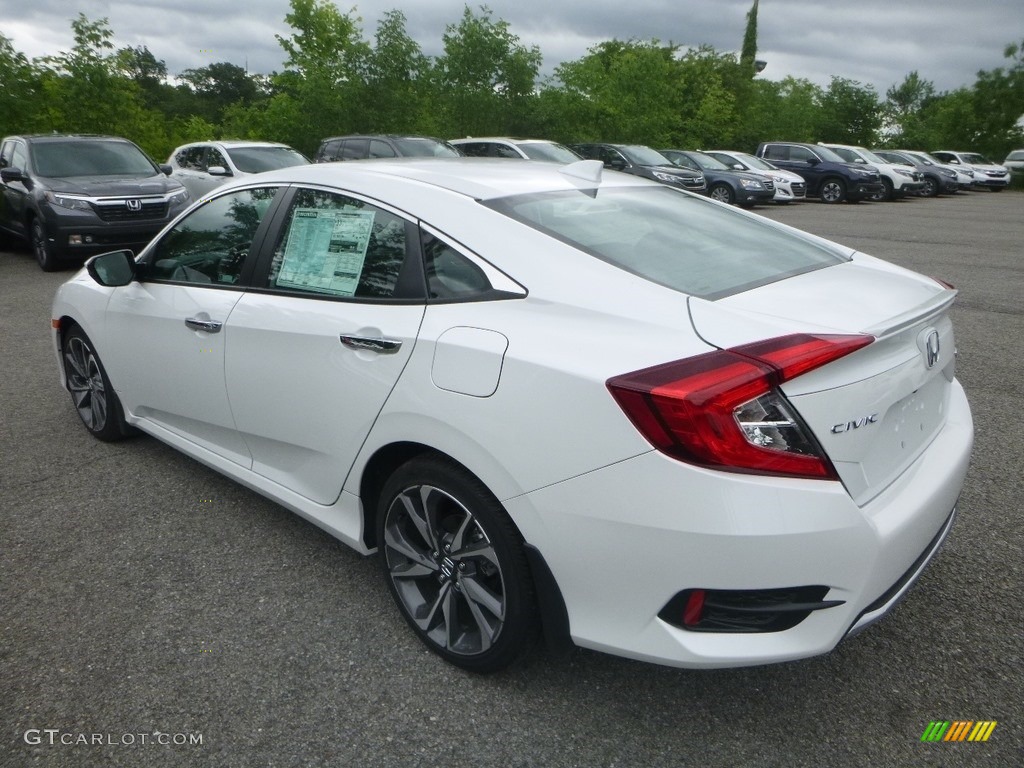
(875, 42)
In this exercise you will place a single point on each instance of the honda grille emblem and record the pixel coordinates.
(134, 205)
(931, 350)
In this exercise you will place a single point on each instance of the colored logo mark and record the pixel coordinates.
(958, 730)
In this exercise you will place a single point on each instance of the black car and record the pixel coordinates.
(642, 161)
(937, 180)
(337, 148)
(724, 183)
(72, 196)
(828, 176)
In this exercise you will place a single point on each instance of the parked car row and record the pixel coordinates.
(71, 196)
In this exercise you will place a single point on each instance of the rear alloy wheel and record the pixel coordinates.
(722, 193)
(93, 397)
(833, 191)
(886, 193)
(41, 247)
(455, 565)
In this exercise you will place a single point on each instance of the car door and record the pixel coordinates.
(14, 195)
(168, 329)
(318, 343)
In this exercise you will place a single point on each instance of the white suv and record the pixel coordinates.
(986, 173)
(523, 149)
(205, 165)
(898, 181)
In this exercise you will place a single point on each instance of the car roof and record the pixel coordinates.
(478, 178)
(45, 137)
(227, 143)
(506, 139)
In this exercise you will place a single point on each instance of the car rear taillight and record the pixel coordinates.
(724, 410)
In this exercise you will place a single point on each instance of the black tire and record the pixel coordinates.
(722, 193)
(832, 191)
(885, 195)
(996, 189)
(455, 565)
(94, 399)
(931, 187)
(41, 246)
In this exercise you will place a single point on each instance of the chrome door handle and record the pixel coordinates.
(372, 343)
(210, 326)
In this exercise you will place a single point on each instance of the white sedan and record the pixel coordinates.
(625, 415)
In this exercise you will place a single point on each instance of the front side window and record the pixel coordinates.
(380, 148)
(335, 245)
(5, 154)
(355, 149)
(212, 244)
(215, 157)
(804, 155)
(20, 158)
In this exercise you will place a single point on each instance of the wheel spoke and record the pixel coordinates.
(488, 629)
(437, 612)
(395, 540)
(480, 596)
(478, 549)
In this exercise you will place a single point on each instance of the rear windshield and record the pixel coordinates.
(55, 159)
(550, 153)
(259, 159)
(683, 242)
(410, 147)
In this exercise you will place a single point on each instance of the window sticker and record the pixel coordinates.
(326, 250)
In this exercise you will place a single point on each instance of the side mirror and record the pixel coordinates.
(165, 169)
(218, 170)
(738, 167)
(112, 269)
(12, 174)
(813, 161)
(861, 160)
(617, 164)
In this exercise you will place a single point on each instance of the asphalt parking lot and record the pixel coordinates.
(145, 599)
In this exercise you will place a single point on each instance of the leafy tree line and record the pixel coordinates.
(486, 82)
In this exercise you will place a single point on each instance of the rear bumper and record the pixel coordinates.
(622, 541)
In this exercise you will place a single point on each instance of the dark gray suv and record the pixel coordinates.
(72, 196)
(368, 147)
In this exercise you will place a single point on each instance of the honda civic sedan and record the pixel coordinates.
(553, 402)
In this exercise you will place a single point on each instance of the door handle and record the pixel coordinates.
(209, 326)
(372, 343)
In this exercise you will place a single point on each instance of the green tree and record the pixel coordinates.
(19, 91)
(397, 86)
(903, 109)
(748, 54)
(850, 113)
(83, 90)
(319, 93)
(217, 86)
(485, 78)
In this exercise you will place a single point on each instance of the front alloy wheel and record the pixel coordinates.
(93, 398)
(41, 247)
(722, 194)
(833, 191)
(455, 565)
(931, 187)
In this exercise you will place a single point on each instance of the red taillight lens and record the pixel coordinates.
(723, 409)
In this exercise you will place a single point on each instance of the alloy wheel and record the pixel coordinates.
(444, 570)
(85, 381)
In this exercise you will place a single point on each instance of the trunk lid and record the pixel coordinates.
(876, 410)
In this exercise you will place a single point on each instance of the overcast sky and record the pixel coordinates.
(876, 42)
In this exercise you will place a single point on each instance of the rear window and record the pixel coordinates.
(683, 242)
(259, 159)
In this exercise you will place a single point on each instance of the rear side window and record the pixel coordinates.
(685, 243)
(450, 275)
(338, 246)
(355, 149)
(776, 152)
